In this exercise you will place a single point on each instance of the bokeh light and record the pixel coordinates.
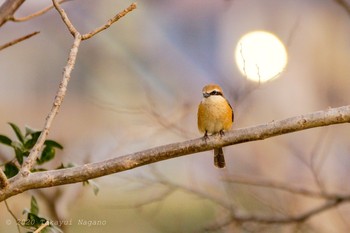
(260, 56)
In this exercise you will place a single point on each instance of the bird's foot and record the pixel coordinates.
(206, 137)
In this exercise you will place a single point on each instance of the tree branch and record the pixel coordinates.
(34, 153)
(17, 40)
(242, 218)
(29, 162)
(7, 9)
(279, 186)
(110, 22)
(18, 184)
(36, 14)
(65, 18)
(344, 4)
(3, 179)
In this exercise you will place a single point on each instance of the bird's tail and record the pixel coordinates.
(219, 159)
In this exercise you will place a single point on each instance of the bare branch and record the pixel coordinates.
(344, 5)
(298, 218)
(65, 18)
(17, 40)
(36, 14)
(12, 214)
(110, 22)
(8, 8)
(280, 186)
(243, 218)
(42, 226)
(3, 179)
(28, 164)
(93, 170)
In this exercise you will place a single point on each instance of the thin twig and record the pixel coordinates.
(8, 8)
(110, 22)
(28, 164)
(42, 226)
(17, 40)
(65, 18)
(36, 14)
(298, 218)
(3, 179)
(13, 215)
(280, 186)
(243, 218)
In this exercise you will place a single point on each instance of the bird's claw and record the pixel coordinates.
(206, 137)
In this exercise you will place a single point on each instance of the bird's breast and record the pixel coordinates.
(214, 115)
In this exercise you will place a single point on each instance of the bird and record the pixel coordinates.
(215, 115)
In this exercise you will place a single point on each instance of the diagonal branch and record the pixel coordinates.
(110, 22)
(344, 4)
(93, 170)
(4, 46)
(282, 186)
(36, 14)
(3, 179)
(28, 164)
(292, 219)
(65, 18)
(8, 8)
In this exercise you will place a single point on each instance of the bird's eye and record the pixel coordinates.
(215, 92)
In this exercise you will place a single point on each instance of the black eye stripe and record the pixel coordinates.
(215, 92)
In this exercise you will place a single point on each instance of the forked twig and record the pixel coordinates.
(110, 22)
(34, 154)
(36, 14)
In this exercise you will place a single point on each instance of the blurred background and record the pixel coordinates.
(137, 85)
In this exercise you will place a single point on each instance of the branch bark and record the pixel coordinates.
(4, 46)
(28, 164)
(34, 153)
(7, 10)
(344, 4)
(19, 184)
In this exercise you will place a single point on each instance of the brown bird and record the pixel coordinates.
(215, 115)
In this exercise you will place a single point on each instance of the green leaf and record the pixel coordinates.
(47, 154)
(52, 143)
(17, 132)
(5, 140)
(34, 208)
(29, 144)
(19, 155)
(29, 130)
(34, 220)
(62, 166)
(10, 170)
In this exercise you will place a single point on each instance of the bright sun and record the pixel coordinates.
(260, 56)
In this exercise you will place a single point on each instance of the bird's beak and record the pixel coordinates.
(206, 95)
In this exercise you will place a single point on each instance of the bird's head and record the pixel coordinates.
(212, 89)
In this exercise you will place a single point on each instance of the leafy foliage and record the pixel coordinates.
(22, 146)
(34, 221)
(10, 169)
